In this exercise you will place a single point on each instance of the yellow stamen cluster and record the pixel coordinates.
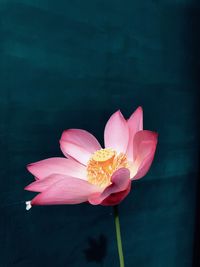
(103, 164)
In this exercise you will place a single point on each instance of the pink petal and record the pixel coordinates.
(79, 144)
(44, 168)
(135, 124)
(144, 145)
(115, 199)
(115, 192)
(65, 191)
(116, 133)
(43, 184)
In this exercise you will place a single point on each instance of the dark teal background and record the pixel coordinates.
(71, 64)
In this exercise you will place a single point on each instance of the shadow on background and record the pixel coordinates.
(97, 249)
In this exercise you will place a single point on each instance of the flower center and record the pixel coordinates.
(103, 164)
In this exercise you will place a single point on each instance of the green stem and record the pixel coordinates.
(118, 235)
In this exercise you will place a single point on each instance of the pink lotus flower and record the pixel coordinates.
(91, 173)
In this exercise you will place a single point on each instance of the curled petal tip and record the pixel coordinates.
(155, 135)
(119, 112)
(63, 133)
(140, 108)
(26, 187)
(28, 166)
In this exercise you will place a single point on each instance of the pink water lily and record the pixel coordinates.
(93, 174)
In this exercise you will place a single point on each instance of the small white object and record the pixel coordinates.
(28, 205)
